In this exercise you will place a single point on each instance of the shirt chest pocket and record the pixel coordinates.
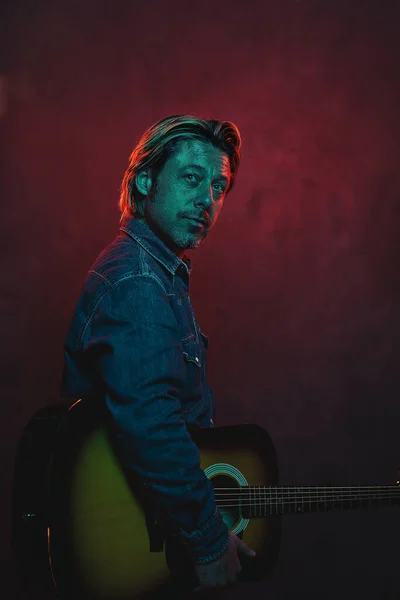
(193, 388)
(186, 322)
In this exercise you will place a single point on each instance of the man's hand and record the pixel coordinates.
(224, 569)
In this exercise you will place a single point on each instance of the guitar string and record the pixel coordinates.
(331, 497)
(306, 496)
(266, 494)
(280, 503)
(313, 489)
(244, 493)
(387, 494)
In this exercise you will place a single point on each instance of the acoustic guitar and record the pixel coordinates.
(82, 531)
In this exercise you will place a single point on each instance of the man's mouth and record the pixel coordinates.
(199, 221)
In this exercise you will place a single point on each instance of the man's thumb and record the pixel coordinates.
(244, 549)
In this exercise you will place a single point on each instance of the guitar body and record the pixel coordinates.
(79, 523)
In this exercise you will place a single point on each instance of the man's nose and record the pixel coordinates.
(206, 198)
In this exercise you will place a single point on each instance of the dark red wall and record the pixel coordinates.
(298, 285)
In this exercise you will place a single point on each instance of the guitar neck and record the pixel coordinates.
(261, 501)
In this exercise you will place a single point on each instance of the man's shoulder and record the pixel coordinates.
(125, 258)
(121, 269)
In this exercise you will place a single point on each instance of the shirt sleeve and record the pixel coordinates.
(133, 344)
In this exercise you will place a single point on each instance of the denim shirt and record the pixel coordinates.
(134, 343)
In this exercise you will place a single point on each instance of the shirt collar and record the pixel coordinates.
(151, 243)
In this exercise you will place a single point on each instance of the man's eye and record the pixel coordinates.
(191, 177)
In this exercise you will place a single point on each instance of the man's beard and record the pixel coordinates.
(188, 242)
(192, 244)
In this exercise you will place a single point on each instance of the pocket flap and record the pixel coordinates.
(191, 353)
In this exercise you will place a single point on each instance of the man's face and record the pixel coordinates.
(186, 202)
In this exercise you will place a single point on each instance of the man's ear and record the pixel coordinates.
(143, 182)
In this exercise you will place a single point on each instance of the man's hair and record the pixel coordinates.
(161, 141)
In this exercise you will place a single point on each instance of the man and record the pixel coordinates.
(134, 342)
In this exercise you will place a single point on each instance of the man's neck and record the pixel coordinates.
(177, 251)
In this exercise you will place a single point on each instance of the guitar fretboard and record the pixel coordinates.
(263, 501)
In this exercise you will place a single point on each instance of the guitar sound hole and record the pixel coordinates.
(227, 496)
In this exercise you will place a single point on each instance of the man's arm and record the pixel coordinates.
(133, 345)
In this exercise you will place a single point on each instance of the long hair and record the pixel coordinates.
(160, 142)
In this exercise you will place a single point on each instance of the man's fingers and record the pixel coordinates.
(242, 547)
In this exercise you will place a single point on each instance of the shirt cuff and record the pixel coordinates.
(209, 541)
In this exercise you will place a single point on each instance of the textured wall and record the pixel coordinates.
(298, 286)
